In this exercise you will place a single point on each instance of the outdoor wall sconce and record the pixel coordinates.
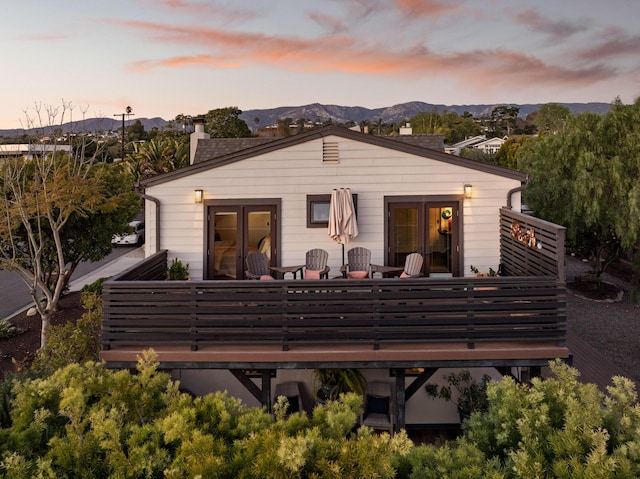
(467, 191)
(198, 196)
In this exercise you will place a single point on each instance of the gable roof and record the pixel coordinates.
(490, 141)
(391, 143)
(215, 147)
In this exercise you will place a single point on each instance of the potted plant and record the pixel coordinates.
(329, 383)
(177, 270)
(470, 396)
(492, 272)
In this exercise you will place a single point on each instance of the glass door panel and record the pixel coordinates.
(404, 236)
(225, 245)
(236, 231)
(259, 232)
(440, 231)
(428, 228)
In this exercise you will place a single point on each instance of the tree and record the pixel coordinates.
(136, 132)
(504, 119)
(587, 177)
(225, 123)
(39, 200)
(551, 118)
(479, 155)
(87, 236)
(507, 155)
(449, 124)
(158, 156)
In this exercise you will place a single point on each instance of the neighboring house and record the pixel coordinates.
(479, 142)
(30, 151)
(214, 332)
(490, 146)
(456, 148)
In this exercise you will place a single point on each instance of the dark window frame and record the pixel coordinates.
(313, 201)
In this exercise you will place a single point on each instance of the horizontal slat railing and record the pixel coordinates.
(336, 311)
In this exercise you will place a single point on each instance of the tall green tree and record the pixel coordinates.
(225, 123)
(587, 177)
(507, 155)
(504, 118)
(551, 118)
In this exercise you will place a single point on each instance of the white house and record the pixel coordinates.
(409, 199)
(491, 146)
(239, 195)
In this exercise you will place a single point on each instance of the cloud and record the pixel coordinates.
(426, 7)
(183, 62)
(203, 9)
(558, 29)
(45, 37)
(332, 24)
(477, 69)
(616, 43)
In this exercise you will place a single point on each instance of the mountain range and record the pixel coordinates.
(318, 112)
(392, 114)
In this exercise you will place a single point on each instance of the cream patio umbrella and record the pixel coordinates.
(343, 225)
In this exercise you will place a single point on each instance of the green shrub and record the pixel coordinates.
(456, 459)
(177, 270)
(95, 287)
(560, 427)
(5, 328)
(73, 342)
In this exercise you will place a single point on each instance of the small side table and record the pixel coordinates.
(283, 270)
(386, 271)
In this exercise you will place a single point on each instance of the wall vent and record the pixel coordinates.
(330, 152)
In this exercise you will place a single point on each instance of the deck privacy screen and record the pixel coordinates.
(530, 246)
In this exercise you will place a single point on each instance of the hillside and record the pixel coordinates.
(390, 114)
(318, 112)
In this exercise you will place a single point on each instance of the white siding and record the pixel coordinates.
(293, 173)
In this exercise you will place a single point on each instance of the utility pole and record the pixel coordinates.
(128, 112)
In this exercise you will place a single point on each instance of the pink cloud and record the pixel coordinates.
(183, 62)
(203, 8)
(482, 69)
(427, 7)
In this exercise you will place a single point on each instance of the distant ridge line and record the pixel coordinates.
(319, 112)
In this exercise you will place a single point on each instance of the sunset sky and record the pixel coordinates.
(166, 57)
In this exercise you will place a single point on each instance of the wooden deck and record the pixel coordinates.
(406, 356)
(371, 323)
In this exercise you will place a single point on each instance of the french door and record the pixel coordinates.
(236, 230)
(431, 227)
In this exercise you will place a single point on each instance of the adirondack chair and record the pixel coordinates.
(257, 266)
(412, 266)
(316, 264)
(358, 263)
